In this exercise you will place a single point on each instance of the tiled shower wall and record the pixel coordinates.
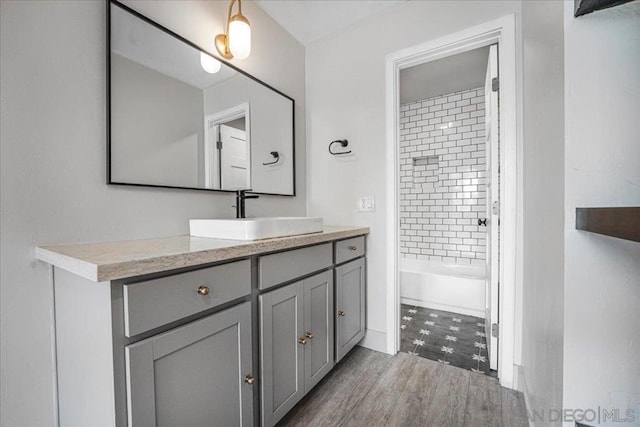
(442, 178)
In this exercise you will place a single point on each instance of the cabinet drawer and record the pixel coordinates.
(349, 249)
(157, 302)
(284, 266)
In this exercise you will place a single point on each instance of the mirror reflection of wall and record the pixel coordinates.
(152, 135)
(181, 118)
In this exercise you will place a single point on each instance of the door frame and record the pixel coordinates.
(210, 150)
(503, 32)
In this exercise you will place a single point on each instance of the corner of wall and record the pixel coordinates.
(542, 361)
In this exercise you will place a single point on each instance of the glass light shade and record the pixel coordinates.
(209, 63)
(239, 37)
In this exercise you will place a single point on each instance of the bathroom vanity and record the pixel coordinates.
(197, 331)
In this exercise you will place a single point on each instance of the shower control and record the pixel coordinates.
(482, 221)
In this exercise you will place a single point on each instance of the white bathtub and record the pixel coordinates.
(451, 287)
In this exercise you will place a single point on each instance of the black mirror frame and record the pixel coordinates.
(189, 43)
(583, 7)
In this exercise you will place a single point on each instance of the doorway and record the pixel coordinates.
(227, 149)
(447, 239)
(501, 290)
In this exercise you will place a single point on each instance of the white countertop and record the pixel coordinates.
(106, 261)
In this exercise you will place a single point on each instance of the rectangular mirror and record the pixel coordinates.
(180, 118)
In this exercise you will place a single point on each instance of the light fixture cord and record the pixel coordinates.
(229, 15)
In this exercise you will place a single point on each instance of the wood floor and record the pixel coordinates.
(374, 389)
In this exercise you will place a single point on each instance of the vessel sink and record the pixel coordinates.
(254, 228)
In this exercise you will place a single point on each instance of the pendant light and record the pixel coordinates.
(236, 41)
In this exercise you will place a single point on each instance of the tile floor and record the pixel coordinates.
(449, 338)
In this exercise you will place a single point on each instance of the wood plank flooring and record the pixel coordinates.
(368, 388)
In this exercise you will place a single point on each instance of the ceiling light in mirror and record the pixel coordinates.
(209, 63)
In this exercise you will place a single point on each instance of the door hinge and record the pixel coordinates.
(496, 208)
(494, 330)
(219, 145)
(495, 84)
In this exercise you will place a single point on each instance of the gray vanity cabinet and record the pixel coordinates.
(195, 375)
(350, 306)
(169, 332)
(296, 340)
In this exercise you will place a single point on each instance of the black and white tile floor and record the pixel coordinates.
(450, 338)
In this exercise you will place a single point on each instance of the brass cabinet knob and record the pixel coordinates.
(302, 341)
(353, 248)
(310, 335)
(341, 313)
(249, 379)
(203, 290)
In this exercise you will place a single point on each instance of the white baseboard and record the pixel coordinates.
(443, 307)
(516, 377)
(374, 340)
(522, 387)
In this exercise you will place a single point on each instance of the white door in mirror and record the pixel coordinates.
(234, 161)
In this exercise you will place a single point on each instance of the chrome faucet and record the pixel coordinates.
(241, 196)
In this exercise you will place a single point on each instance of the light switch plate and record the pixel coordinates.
(367, 204)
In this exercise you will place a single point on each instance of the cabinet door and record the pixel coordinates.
(350, 306)
(282, 353)
(193, 375)
(318, 322)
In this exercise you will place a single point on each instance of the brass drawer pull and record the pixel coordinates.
(310, 335)
(341, 313)
(353, 248)
(249, 379)
(302, 341)
(203, 290)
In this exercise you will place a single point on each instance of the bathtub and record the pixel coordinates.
(458, 288)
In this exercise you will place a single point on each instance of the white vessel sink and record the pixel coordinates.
(254, 228)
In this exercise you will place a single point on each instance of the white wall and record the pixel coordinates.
(154, 141)
(53, 164)
(346, 99)
(543, 152)
(602, 168)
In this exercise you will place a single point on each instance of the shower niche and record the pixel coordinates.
(425, 173)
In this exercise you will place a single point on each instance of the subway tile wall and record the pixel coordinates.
(442, 178)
